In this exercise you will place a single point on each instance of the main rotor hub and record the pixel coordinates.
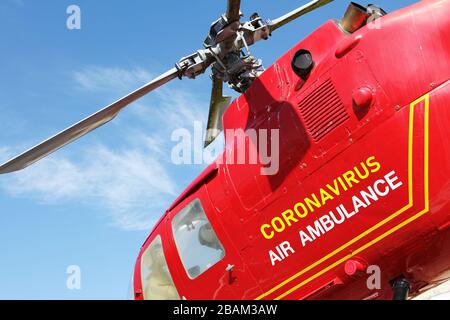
(234, 62)
(226, 50)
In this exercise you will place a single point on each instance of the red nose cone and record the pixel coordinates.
(363, 97)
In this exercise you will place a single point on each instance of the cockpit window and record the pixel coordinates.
(197, 243)
(157, 283)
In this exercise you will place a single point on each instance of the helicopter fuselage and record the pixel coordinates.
(362, 194)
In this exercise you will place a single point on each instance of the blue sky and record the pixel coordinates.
(92, 204)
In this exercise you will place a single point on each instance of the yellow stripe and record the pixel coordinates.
(427, 151)
(378, 225)
(410, 153)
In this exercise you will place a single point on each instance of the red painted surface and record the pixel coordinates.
(355, 105)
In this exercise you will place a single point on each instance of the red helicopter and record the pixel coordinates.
(359, 204)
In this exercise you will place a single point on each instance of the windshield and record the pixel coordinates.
(197, 243)
(157, 283)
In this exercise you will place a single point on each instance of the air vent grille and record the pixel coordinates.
(323, 111)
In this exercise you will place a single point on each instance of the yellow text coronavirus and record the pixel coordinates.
(317, 200)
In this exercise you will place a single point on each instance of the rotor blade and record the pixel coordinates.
(281, 21)
(217, 107)
(233, 10)
(83, 127)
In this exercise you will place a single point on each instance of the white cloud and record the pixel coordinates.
(129, 184)
(131, 181)
(97, 79)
